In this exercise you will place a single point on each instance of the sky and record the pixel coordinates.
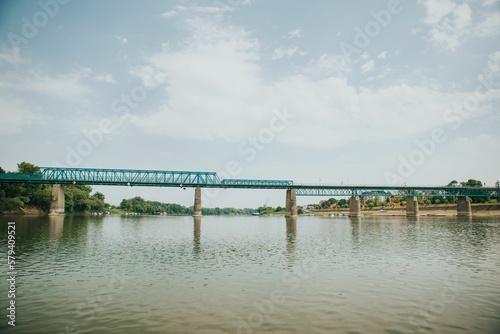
(327, 92)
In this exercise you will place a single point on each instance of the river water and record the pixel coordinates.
(253, 275)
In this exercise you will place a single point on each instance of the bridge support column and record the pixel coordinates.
(57, 202)
(412, 207)
(291, 203)
(354, 206)
(463, 207)
(197, 202)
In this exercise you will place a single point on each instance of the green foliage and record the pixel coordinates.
(375, 202)
(27, 168)
(343, 203)
(327, 204)
(142, 206)
(226, 211)
(266, 210)
(16, 196)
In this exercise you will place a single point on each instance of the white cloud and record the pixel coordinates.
(170, 13)
(437, 10)
(149, 75)
(215, 89)
(217, 10)
(493, 63)
(416, 31)
(11, 56)
(489, 26)
(468, 149)
(326, 64)
(15, 115)
(105, 78)
(283, 51)
(122, 40)
(382, 55)
(489, 2)
(294, 34)
(69, 86)
(365, 56)
(451, 24)
(211, 84)
(331, 108)
(368, 66)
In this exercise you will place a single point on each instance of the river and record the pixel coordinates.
(156, 274)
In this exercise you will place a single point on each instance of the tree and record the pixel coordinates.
(476, 194)
(27, 168)
(370, 203)
(97, 203)
(77, 198)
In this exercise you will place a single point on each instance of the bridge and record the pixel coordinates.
(60, 176)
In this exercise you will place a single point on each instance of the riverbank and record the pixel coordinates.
(479, 210)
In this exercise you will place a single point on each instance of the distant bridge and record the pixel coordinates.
(198, 180)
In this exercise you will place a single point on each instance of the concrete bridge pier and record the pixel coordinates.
(463, 207)
(57, 202)
(354, 206)
(197, 202)
(291, 203)
(412, 207)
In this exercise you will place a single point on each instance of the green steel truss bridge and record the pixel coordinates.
(183, 179)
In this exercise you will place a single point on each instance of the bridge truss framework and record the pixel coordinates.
(195, 179)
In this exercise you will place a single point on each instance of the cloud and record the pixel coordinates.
(451, 24)
(211, 84)
(489, 26)
(487, 3)
(437, 10)
(465, 150)
(382, 55)
(15, 115)
(170, 13)
(122, 40)
(216, 10)
(105, 78)
(215, 89)
(294, 34)
(336, 65)
(493, 63)
(68, 86)
(10, 56)
(339, 114)
(283, 51)
(368, 66)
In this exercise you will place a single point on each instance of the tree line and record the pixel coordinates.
(142, 206)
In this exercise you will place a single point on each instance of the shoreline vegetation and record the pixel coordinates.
(34, 199)
(449, 210)
(478, 209)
